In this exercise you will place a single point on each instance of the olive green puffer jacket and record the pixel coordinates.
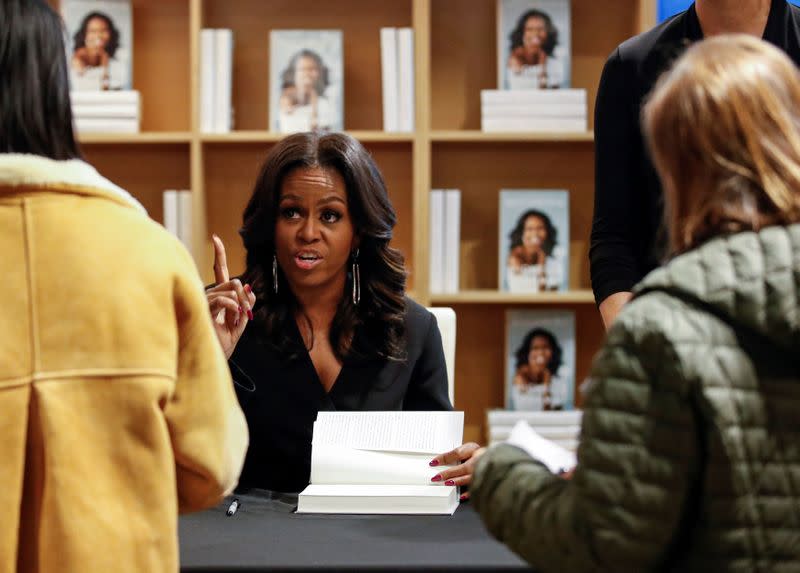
(689, 458)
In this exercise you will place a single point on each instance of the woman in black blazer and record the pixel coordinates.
(319, 320)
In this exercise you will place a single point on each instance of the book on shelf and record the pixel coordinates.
(216, 80)
(99, 44)
(560, 426)
(445, 240)
(105, 112)
(534, 110)
(178, 215)
(533, 124)
(533, 44)
(534, 240)
(106, 124)
(306, 80)
(533, 98)
(378, 463)
(397, 79)
(540, 360)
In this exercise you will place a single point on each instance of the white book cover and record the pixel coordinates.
(185, 222)
(378, 499)
(105, 98)
(112, 110)
(99, 44)
(437, 240)
(306, 80)
(534, 44)
(534, 240)
(208, 72)
(223, 80)
(106, 125)
(559, 124)
(405, 54)
(390, 80)
(534, 97)
(540, 360)
(452, 246)
(170, 201)
(524, 111)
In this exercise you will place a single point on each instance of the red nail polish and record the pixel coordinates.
(449, 482)
(241, 310)
(249, 314)
(434, 463)
(247, 288)
(463, 497)
(437, 477)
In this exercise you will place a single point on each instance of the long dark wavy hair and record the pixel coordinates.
(515, 236)
(374, 328)
(287, 77)
(35, 111)
(519, 30)
(525, 348)
(79, 40)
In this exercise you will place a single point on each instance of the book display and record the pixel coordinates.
(455, 57)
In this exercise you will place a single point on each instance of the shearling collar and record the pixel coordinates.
(35, 171)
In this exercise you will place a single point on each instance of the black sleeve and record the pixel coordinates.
(427, 389)
(612, 254)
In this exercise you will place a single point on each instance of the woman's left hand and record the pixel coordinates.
(461, 473)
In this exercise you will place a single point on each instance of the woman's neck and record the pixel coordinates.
(320, 304)
(733, 16)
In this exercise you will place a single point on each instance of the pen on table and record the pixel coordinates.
(232, 507)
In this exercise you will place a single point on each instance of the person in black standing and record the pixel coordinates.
(627, 241)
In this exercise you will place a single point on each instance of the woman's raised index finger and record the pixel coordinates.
(220, 261)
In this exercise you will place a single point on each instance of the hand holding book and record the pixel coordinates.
(462, 461)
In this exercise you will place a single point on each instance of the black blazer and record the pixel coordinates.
(281, 397)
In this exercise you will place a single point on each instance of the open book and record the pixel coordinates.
(378, 462)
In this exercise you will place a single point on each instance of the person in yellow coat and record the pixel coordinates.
(117, 409)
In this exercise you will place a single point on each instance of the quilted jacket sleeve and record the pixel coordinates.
(622, 509)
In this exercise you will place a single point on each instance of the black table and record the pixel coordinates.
(266, 535)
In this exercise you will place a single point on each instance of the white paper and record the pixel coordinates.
(416, 432)
(556, 458)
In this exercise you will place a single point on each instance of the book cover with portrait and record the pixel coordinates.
(540, 360)
(99, 44)
(306, 81)
(534, 240)
(533, 44)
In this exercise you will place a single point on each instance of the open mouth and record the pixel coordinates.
(307, 260)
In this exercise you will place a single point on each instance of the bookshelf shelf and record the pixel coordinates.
(257, 136)
(583, 296)
(476, 136)
(146, 137)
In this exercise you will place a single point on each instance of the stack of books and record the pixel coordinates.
(397, 72)
(445, 240)
(216, 80)
(561, 428)
(562, 110)
(106, 111)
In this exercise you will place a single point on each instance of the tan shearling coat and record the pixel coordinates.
(116, 404)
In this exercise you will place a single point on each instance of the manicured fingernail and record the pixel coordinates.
(247, 288)
(463, 497)
(241, 310)
(249, 314)
(437, 477)
(434, 463)
(449, 482)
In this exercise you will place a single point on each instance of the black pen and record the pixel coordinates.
(232, 507)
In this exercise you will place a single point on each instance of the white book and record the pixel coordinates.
(208, 69)
(185, 223)
(569, 110)
(223, 80)
(378, 462)
(437, 234)
(556, 458)
(537, 419)
(389, 80)
(559, 124)
(452, 247)
(170, 202)
(104, 98)
(106, 125)
(110, 110)
(563, 96)
(405, 59)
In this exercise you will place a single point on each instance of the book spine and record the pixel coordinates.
(452, 255)
(405, 51)
(533, 124)
(389, 77)
(207, 80)
(437, 228)
(106, 125)
(223, 43)
(105, 97)
(170, 200)
(185, 223)
(561, 96)
(111, 110)
(565, 110)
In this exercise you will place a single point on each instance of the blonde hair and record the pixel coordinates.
(723, 128)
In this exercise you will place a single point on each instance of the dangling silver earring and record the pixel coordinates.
(356, 272)
(275, 274)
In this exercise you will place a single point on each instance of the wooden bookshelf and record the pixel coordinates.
(455, 58)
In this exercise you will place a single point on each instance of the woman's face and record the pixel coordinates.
(534, 34)
(540, 353)
(314, 234)
(97, 34)
(306, 73)
(534, 233)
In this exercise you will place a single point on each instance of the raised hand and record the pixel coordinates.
(230, 302)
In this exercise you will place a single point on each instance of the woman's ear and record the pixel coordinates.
(356, 243)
